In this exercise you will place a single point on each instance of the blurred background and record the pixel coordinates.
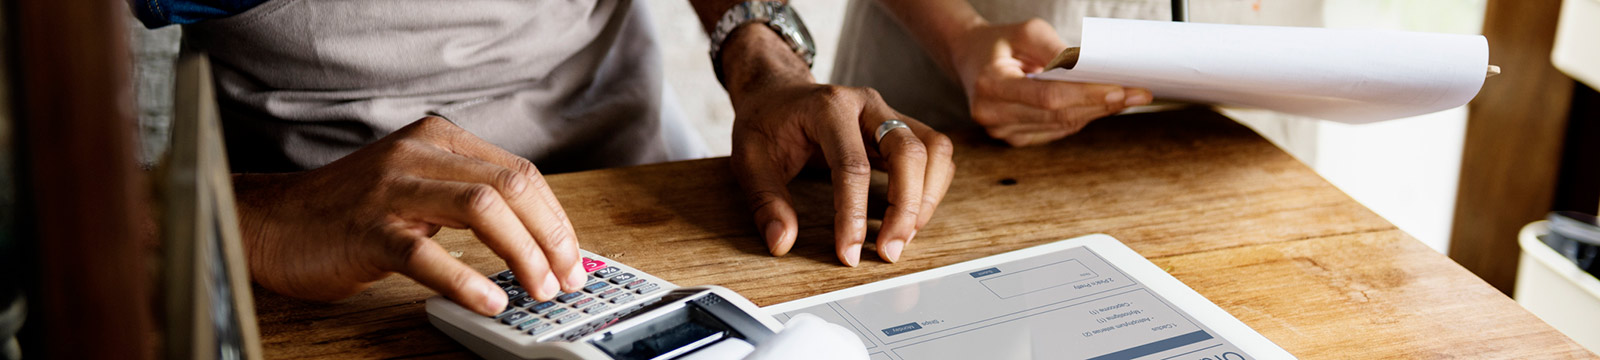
(1405, 170)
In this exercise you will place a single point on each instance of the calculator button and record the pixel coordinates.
(581, 303)
(514, 292)
(609, 293)
(635, 284)
(647, 288)
(524, 301)
(509, 309)
(503, 276)
(622, 279)
(569, 318)
(597, 286)
(569, 297)
(622, 298)
(557, 313)
(515, 317)
(528, 324)
(607, 272)
(540, 328)
(590, 265)
(595, 309)
(542, 307)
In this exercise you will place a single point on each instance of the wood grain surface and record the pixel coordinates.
(1223, 210)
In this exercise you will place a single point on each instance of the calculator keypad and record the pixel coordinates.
(608, 286)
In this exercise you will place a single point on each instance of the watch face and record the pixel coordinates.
(780, 17)
(794, 30)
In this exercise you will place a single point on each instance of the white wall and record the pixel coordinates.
(1406, 170)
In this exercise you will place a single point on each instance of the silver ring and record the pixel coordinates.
(887, 126)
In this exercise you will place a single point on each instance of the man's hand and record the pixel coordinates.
(328, 233)
(993, 63)
(784, 119)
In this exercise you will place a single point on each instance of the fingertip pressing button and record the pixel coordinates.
(590, 265)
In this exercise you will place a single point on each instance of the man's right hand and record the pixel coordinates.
(328, 233)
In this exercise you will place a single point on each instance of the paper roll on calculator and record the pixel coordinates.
(1352, 76)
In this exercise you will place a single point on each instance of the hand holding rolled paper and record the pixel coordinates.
(1351, 76)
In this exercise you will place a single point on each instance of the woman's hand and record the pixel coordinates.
(328, 233)
(993, 62)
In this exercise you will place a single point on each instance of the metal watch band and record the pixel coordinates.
(777, 15)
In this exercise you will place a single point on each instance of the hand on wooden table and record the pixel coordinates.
(784, 120)
(328, 233)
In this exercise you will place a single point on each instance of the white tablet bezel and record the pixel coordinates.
(1115, 253)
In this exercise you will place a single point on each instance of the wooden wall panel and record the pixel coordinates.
(83, 196)
(1514, 140)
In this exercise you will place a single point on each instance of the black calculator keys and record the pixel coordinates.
(607, 272)
(515, 291)
(514, 318)
(503, 313)
(540, 328)
(607, 295)
(529, 323)
(542, 307)
(558, 312)
(523, 301)
(569, 297)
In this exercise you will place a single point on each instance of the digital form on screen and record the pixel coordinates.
(1084, 298)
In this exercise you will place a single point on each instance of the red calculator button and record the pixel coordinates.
(590, 265)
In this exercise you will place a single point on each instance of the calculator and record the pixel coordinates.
(621, 313)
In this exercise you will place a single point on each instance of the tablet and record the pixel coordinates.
(1089, 297)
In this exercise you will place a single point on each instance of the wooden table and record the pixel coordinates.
(1223, 210)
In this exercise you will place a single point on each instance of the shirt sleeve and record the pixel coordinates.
(159, 13)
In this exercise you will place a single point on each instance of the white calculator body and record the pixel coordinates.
(622, 313)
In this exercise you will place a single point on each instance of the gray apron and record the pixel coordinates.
(568, 84)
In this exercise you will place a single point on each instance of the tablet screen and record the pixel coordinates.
(1070, 303)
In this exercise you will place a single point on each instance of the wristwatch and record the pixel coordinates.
(777, 15)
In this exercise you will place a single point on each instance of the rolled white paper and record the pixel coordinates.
(1351, 76)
